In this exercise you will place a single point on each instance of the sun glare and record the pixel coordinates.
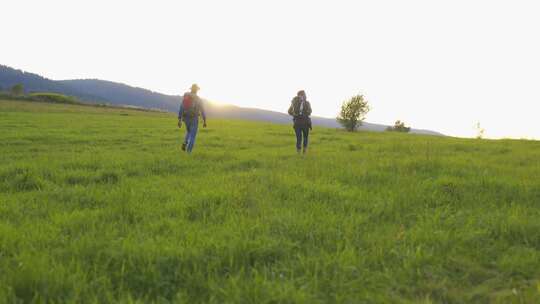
(216, 103)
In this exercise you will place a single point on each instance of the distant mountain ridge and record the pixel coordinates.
(118, 94)
(121, 94)
(36, 83)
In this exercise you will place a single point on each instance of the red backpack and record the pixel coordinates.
(188, 106)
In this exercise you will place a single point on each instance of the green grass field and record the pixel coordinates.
(99, 205)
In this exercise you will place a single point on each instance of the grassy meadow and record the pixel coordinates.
(99, 205)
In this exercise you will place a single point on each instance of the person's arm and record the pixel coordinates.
(308, 109)
(291, 108)
(203, 114)
(180, 112)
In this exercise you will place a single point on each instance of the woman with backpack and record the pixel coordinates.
(300, 110)
(190, 109)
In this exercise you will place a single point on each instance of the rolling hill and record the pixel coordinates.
(101, 91)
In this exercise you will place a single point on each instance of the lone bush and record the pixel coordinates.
(399, 126)
(353, 112)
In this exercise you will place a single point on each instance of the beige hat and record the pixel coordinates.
(195, 87)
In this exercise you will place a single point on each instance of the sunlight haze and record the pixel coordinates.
(437, 65)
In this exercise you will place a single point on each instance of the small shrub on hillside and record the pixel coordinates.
(17, 89)
(54, 98)
(399, 126)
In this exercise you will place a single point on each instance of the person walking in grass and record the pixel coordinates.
(190, 109)
(300, 110)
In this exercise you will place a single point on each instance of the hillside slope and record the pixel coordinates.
(100, 91)
(100, 205)
(36, 83)
(121, 94)
(234, 112)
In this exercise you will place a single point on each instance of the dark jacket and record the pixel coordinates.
(301, 119)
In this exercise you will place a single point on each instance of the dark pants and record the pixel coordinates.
(301, 132)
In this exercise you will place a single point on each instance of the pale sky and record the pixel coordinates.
(439, 65)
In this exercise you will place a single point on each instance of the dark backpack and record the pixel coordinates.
(296, 108)
(300, 120)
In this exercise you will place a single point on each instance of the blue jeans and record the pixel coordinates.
(301, 133)
(192, 125)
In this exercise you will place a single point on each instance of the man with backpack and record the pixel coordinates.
(300, 110)
(190, 109)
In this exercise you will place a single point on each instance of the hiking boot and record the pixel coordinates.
(184, 146)
(304, 151)
(298, 151)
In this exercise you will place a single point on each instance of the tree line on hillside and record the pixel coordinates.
(16, 90)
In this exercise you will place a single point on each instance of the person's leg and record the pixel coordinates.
(186, 137)
(298, 132)
(193, 133)
(188, 127)
(305, 132)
